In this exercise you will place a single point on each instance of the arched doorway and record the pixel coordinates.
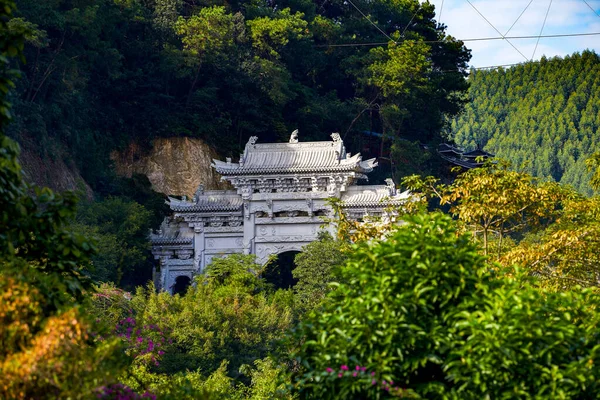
(182, 283)
(279, 271)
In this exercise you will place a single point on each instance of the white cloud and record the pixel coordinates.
(564, 17)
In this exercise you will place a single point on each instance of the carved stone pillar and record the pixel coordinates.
(199, 248)
(249, 234)
(164, 267)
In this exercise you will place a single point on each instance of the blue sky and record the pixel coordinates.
(565, 16)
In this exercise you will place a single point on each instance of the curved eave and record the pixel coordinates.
(205, 208)
(379, 204)
(264, 171)
(170, 242)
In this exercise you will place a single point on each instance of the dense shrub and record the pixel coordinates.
(422, 311)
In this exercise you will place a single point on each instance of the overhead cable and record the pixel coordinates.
(500, 33)
(518, 18)
(372, 23)
(541, 30)
(560, 35)
(411, 20)
(588, 4)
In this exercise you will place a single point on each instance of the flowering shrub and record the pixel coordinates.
(145, 343)
(118, 391)
(364, 380)
(111, 304)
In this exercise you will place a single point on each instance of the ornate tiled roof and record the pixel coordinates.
(211, 200)
(169, 241)
(478, 153)
(294, 157)
(373, 195)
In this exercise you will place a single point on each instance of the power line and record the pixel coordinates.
(588, 4)
(541, 30)
(562, 35)
(442, 9)
(492, 25)
(497, 66)
(558, 35)
(518, 18)
(372, 23)
(411, 20)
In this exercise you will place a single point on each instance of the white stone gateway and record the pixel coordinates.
(281, 193)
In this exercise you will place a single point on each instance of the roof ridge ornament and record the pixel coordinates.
(294, 137)
(390, 186)
(199, 192)
(252, 141)
(336, 137)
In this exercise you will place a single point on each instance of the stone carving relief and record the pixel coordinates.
(235, 223)
(197, 264)
(278, 239)
(216, 222)
(225, 229)
(246, 192)
(263, 251)
(184, 254)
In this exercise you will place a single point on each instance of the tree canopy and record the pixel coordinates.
(543, 117)
(103, 73)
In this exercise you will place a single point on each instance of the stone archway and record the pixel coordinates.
(279, 271)
(181, 285)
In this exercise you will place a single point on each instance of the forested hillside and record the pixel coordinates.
(103, 73)
(542, 116)
(494, 294)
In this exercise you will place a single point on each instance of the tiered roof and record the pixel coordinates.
(464, 159)
(478, 153)
(294, 157)
(373, 196)
(208, 201)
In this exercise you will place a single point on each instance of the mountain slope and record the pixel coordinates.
(542, 116)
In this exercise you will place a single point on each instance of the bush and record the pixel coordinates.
(421, 316)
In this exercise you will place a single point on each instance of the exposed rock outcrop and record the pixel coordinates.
(51, 172)
(174, 166)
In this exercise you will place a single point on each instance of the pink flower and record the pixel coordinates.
(340, 375)
(344, 368)
(357, 368)
(373, 373)
(329, 370)
(363, 369)
(355, 374)
(374, 382)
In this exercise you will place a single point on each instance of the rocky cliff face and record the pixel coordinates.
(174, 166)
(51, 172)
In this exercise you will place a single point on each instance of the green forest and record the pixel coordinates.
(480, 286)
(101, 74)
(542, 116)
